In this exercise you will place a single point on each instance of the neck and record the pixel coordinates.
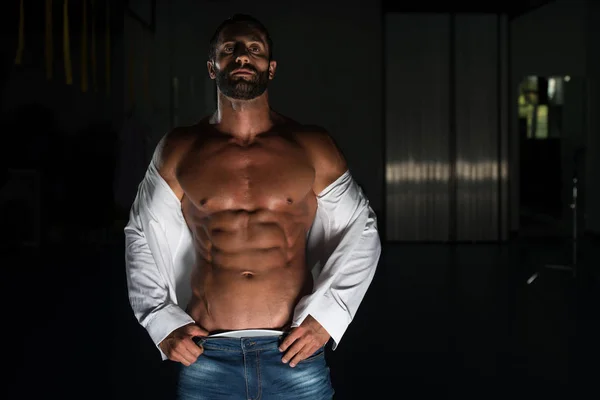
(244, 119)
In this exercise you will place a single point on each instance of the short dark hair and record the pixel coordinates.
(239, 19)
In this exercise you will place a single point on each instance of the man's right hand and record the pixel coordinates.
(180, 347)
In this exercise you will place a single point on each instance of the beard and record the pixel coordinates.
(242, 87)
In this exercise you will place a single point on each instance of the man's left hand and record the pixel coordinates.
(303, 341)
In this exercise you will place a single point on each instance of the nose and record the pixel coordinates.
(241, 56)
(242, 59)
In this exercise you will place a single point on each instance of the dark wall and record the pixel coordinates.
(64, 135)
(593, 105)
(27, 84)
(561, 38)
(445, 127)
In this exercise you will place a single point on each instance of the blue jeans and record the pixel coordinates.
(251, 369)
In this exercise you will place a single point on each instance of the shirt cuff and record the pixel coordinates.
(331, 314)
(165, 321)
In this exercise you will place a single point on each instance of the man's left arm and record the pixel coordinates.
(345, 247)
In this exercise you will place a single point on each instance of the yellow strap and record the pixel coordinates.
(66, 44)
(94, 66)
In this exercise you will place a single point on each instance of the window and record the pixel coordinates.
(540, 104)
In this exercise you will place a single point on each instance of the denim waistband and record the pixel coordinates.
(241, 344)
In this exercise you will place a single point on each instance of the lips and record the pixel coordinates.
(242, 72)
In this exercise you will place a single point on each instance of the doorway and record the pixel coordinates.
(552, 153)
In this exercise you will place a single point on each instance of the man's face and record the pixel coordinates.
(241, 67)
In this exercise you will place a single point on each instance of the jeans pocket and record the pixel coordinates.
(317, 355)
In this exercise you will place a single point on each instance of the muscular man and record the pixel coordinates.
(249, 186)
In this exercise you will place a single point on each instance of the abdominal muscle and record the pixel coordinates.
(250, 271)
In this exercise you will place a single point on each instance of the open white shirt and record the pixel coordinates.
(343, 250)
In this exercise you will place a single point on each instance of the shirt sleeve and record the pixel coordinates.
(343, 250)
(154, 235)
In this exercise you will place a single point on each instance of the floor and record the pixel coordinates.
(438, 320)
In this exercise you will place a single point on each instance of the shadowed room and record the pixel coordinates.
(472, 129)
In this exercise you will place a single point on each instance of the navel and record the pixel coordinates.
(248, 275)
(203, 202)
(289, 200)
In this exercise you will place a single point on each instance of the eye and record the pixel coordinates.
(254, 49)
(228, 49)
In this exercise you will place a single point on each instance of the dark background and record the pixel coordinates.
(449, 311)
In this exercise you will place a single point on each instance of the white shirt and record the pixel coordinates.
(343, 250)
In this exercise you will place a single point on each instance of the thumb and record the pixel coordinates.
(195, 330)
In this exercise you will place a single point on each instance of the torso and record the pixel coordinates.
(249, 208)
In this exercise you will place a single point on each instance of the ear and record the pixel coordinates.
(210, 65)
(272, 68)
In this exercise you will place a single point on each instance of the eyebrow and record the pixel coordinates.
(251, 38)
(255, 38)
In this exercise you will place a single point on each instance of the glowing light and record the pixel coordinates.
(436, 171)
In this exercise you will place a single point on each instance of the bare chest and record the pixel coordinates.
(270, 174)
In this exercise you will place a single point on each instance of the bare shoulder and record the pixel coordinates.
(172, 146)
(325, 155)
(170, 150)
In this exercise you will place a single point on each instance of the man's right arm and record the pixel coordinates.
(154, 230)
